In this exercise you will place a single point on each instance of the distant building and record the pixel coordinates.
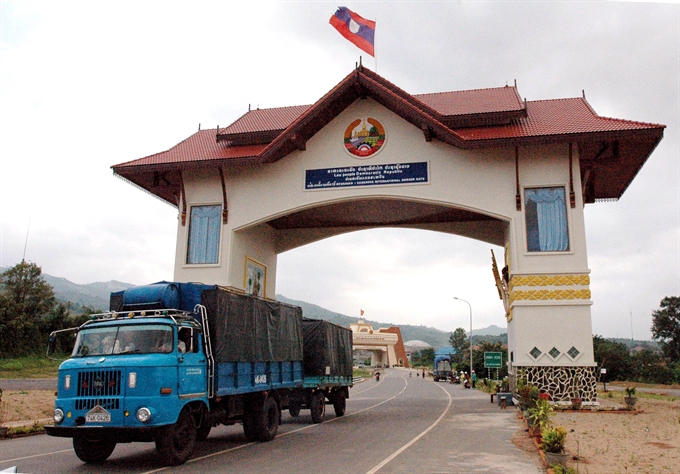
(385, 344)
(415, 346)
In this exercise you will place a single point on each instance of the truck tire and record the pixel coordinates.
(175, 443)
(340, 403)
(249, 427)
(294, 408)
(268, 420)
(92, 451)
(317, 405)
(203, 431)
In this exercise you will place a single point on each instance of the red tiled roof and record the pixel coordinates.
(199, 147)
(466, 119)
(477, 101)
(260, 120)
(553, 118)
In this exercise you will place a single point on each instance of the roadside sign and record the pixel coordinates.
(493, 360)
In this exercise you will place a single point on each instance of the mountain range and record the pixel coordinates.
(95, 297)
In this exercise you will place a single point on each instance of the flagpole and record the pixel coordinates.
(375, 51)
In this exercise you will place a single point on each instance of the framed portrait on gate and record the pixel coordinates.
(255, 280)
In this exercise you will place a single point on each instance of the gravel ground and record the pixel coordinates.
(644, 441)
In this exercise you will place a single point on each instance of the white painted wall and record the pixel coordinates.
(482, 181)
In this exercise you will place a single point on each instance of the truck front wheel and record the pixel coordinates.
(92, 451)
(175, 443)
(204, 428)
(317, 406)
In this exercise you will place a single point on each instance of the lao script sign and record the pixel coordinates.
(370, 175)
(493, 360)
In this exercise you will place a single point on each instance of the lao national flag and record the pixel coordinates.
(358, 30)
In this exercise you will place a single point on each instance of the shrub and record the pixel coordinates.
(540, 414)
(553, 439)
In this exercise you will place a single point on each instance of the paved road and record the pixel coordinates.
(397, 425)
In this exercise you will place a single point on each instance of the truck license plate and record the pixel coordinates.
(98, 415)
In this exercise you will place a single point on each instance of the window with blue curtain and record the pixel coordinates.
(204, 234)
(546, 219)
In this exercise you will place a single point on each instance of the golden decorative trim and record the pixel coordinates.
(549, 280)
(543, 295)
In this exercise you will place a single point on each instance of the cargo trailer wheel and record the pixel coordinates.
(249, 427)
(269, 419)
(340, 403)
(92, 451)
(317, 405)
(175, 443)
(294, 408)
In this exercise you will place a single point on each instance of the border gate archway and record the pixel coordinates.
(483, 164)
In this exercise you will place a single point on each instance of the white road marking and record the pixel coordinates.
(410, 443)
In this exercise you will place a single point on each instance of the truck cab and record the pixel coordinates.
(133, 374)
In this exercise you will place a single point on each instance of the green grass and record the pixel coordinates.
(29, 367)
(362, 373)
(656, 396)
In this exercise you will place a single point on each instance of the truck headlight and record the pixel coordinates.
(58, 415)
(143, 414)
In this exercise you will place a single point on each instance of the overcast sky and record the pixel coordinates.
(86, 85)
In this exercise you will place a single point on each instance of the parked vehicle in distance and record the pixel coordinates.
(442, 368)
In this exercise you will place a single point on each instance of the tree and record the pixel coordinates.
(25, 300)
(460, 343)
(666, 328)
(613, 356)
(650, 367)
(423, 358)
(478, 358)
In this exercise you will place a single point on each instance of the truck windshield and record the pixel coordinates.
(138, 339)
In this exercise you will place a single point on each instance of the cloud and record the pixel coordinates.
(85, 85)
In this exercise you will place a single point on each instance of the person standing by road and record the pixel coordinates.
(474, 379)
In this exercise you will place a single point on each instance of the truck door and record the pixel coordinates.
(191, 364)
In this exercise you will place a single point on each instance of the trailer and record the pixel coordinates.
(169, 361)
(442, 368)
(328, 372)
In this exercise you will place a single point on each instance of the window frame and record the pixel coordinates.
(209, 254)
(535, 230)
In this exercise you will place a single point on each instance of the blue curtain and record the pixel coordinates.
(551, 217)
(204, 234)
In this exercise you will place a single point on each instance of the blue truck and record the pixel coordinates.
(442, 368)
(170, 361)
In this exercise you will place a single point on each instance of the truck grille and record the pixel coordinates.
(90, 403)
(99, 383)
